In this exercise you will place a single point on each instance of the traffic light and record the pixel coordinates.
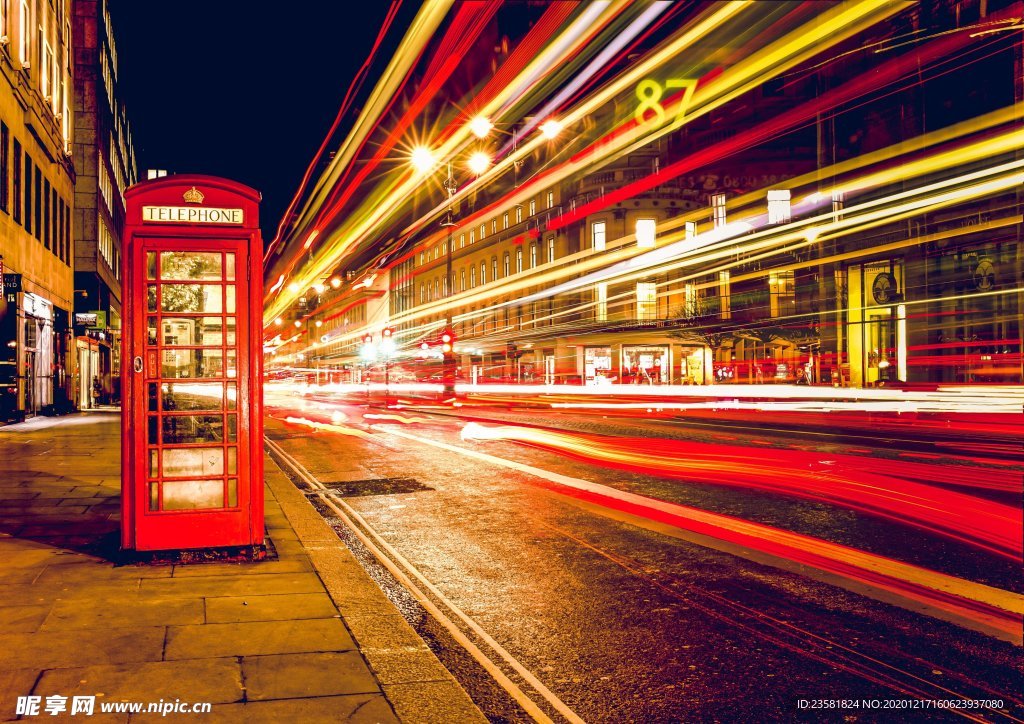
(447, 341)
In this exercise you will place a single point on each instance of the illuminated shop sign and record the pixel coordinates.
(192, 215)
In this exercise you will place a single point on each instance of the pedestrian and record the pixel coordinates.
(97, 390)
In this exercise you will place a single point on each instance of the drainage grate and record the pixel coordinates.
(375, 486)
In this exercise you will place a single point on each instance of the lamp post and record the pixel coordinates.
(448, 360)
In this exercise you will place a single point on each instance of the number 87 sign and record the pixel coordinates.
(649, 93)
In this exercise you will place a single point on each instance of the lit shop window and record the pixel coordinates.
(778, 206)
(645, 233)
(601, 300)
(724, 294)
(646, 300)
(782, 292)
(597, 236)
(718, 209)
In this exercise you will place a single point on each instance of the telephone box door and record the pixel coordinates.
(188, 336)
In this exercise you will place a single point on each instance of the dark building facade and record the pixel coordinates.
(105, 159)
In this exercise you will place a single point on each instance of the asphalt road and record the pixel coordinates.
(623, 617)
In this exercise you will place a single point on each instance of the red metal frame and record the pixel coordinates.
(146, 527)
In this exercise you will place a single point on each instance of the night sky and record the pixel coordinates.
(242, 89)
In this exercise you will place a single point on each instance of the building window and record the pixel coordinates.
(724, 295)
(519, 260)
(782, 293)
(597, 236)
(472, 277)
(778, 206)
(38, 215)
(494, 226)
(5, 142)
(551, 249)
(25, 33)
(507, 264)
(690, 229)
(421, 258)
(494, 269)
(504, 220)
(646, 300)
(423, 293)
(462, 280)
(646, 230)
(718, 210)
(483, 272)
(28, 193)
(16, 181)
(551, 199)
(462, 240)
(533, 207)
(601, 302)
(47, 236)
(519, 214)
(533, 256)
(472, 237)
(483, 231)
(437, 289)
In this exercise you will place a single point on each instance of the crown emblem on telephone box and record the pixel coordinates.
(193, 196)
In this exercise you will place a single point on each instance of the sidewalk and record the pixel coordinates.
(308, 637)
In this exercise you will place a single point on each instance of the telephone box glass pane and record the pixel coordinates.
(229, 330)
(150, 265)
(232, 368)
(229, 291)
(229, 267)
(200, 265)
(181, 396)
(154, 436)
(151, 298)
(154, 496)
(190, 298)
(193, 331)
(232, 395)
(232, 428)
(182, 429)
(232, 461)
(193, 494)
(151, 397)
(151, 337)
(192, 363)
(193, 462)
(232, 492)
(154, 464)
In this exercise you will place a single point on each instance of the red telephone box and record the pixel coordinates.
(192, 425)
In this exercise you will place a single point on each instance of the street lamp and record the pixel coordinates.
(448, 360)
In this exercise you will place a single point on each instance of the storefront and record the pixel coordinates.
(646, 364)
(36, 358)
(597, 365)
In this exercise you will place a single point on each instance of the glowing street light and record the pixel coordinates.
(318, 288)
(550, 128)
(335, 282)
(479, 162)
(278, 321)
(293, 287)
(422, 159)
(480, 126)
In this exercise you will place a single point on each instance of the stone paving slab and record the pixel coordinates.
(263, 642)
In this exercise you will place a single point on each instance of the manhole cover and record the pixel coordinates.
(375, 486)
